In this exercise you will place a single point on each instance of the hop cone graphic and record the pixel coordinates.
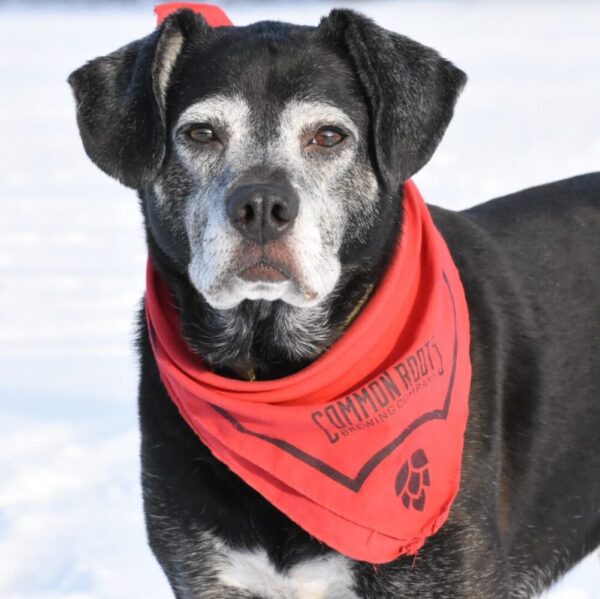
(412, 479)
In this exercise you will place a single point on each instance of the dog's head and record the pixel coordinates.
(265, 155)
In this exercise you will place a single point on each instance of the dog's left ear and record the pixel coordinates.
(410, 89)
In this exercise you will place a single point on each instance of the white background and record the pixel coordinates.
(72, 257)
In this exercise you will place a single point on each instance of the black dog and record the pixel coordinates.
(327, 123)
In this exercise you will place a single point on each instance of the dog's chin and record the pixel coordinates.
(266, 280)
(239, 289)
(234, 289)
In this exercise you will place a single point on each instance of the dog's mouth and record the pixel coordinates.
(269, 263)
(264, 271)
(269, 272)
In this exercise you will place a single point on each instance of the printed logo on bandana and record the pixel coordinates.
(382, 398)
(412, 479)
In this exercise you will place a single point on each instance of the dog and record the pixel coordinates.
(324, 125)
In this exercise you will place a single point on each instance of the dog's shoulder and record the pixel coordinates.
(543, 230)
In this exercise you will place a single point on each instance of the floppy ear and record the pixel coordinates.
(121, 101)
(411, 91)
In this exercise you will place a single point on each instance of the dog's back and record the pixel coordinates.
(536, 315)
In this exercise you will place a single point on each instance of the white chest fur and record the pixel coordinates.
(327, 577)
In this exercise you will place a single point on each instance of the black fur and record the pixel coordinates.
(529, 503)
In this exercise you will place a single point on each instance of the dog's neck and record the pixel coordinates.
(304, 338)
(267, 340)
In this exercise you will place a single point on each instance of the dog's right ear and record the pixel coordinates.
(121, 101)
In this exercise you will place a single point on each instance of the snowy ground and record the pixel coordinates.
(72, 258)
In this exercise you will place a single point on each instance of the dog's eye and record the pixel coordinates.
(202, 134)
(327, 137)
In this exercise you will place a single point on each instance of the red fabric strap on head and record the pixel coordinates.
(214, 15)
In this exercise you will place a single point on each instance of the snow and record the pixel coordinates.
(72, 257)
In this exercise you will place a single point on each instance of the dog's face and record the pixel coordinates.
(266, 156)
(267, 162)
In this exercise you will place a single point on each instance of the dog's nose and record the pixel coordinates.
(262, 212)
